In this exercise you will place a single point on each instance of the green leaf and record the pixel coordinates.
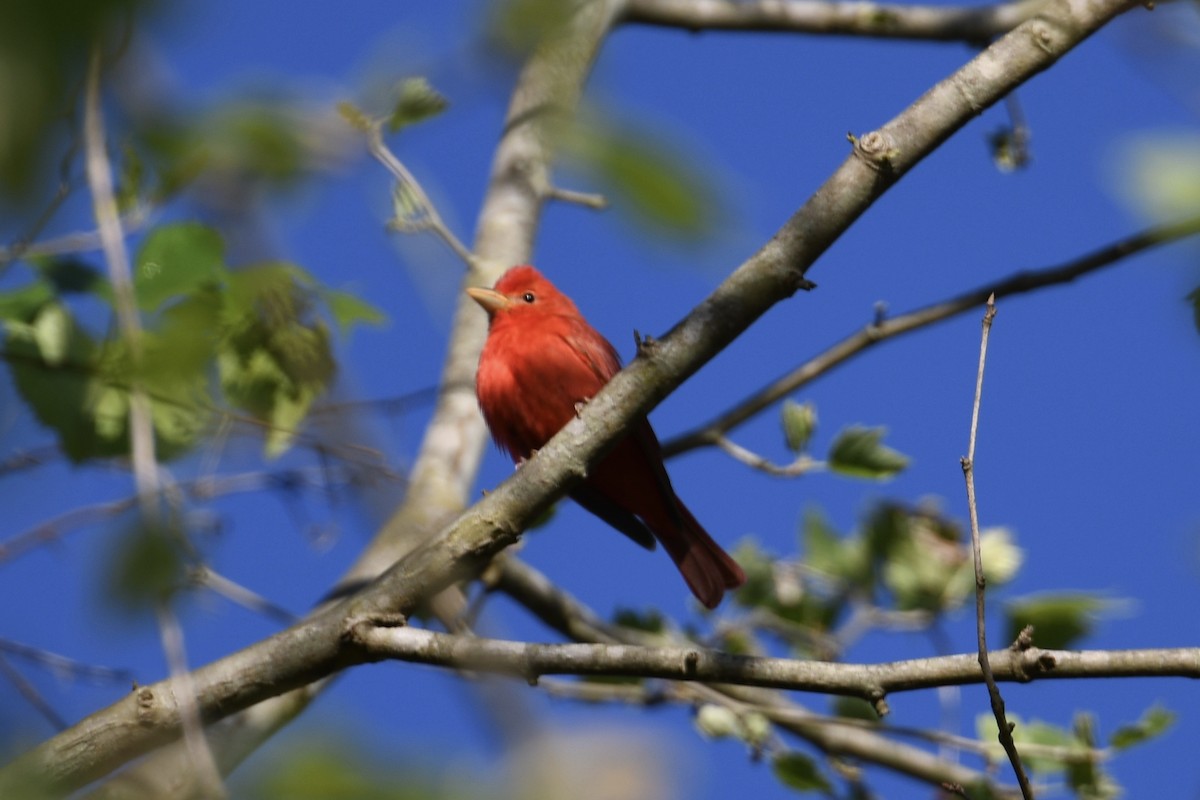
(823, 547)
(355, 116)
(1002, 560)
(799, 424)
(654, 185)
(515, 27)
(798, 771)
(148, 567)
(274, 357)
(651, 621)
(64, 398)
(131, 183)
(345, 768)
(716, 722)
(22, 305)
(1058, 620)
(855, 708)
(1163, 174)
(349, 310)
(759, 588)
(1154, 723)
(175, 260)
(416, 101)
(52, 331)
(69, 275)
(859, 452)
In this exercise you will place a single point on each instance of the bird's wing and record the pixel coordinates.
(596, 503)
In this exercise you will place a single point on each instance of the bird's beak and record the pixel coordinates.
(492, 301)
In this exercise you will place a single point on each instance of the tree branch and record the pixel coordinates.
(1004, 727)
(878, 20)
(710, 432)
(871, 682)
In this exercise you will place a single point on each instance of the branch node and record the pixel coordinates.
(690, 661)
(878, 699)
(1024, 640)
(646, 345)
(591, 200)
(877, 150)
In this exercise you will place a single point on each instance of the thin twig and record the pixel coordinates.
(200, 489)
(236, 593)
(61, 665)
(31, 694)
(801, 466)
(882, 330)
(968, 467)
(430, 219)
(141, 425)
(585, 199)
(100, 181)
(77, 242)
(184, 689)
(20, 460)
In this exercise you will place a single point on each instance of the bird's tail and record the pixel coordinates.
(707, 569)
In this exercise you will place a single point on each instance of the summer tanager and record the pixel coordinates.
(542, 361)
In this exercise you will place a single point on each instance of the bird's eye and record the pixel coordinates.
(528, 297)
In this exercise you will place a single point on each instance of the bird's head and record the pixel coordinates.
(522, 292)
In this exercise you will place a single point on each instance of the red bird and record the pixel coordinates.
(541, 360)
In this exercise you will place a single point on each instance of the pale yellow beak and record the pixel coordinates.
(491, 300)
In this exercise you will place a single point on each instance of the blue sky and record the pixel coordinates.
(1087, 447)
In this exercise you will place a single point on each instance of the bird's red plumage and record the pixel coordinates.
(541, 360)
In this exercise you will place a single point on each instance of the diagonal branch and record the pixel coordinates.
(709, 433)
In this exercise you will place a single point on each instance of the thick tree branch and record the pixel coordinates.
(314, 649)
(879, 20)
(709, 433)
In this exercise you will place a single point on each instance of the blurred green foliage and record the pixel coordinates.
(257, 330)
(325, 769)
(902, 558)
(800, 772)
(44, 48)
(1075, 753)
(1059, 620)
(645, 173)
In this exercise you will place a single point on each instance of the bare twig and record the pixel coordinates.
(78, 242)
(112, 237)
(200, 489)
(968, 467)
(235, 592)
(801, 466)
(184, 690)
(31, 694)
(882, 330)
(61, 665)
(141, 425)
(585, 199)
(426, 216)
(20, 460)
